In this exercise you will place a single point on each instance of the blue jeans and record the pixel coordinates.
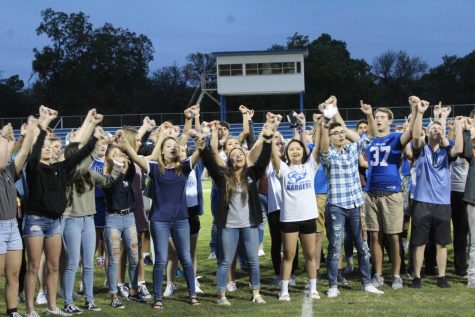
(336, 218)
(79, 241)
(214, 230)
(180, 233)
(121, 227)
(229, 238)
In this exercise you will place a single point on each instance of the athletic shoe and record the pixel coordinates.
(212, 256)
(341, 280)
(261, 253)
(333, 292)
(123, 291)
(57, 312)
(378, 280)
(314, 295)
(471, 282)
(100, 261)
(91, 306)
(348, 269)
(147, 260)
(137, 297)
(370, 288)
(115, 303)
(72, 309)
(293, 281)
(223, 301)
(144, 291)
(32, 314)
(169, 290)
(416, 282)
(14, 314)
(198, 289)
(284, 297)
(396, 282)
(231, 287)
(21, 298)
(41, 298)
(276, 281)
(442, 282)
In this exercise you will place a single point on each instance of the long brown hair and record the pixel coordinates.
(109, 164)
(232, 180)
(85, 180)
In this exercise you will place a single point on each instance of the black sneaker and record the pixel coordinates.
(138, 298)
(117, 304)
(91, 306)
(416, 282)
(147, 260)
(442, 282)
(72, 309)
(341, 280)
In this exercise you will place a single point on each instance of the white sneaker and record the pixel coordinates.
(169, 290)
(231, 287)
(41, 298)
(314, 295)
(223, 301)
(56, 312)
(212, 256)
(198, 289)
(32, 314)
(293, 281)
(284, 297)
(371, 289)
(144, 291)
(333, 292)
(261, 253)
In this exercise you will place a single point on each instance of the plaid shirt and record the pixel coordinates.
(341, 167)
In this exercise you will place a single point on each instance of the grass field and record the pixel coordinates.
(428, 301)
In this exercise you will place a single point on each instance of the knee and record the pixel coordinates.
(289, 255)
(53, 267)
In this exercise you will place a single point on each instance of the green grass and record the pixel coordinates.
(429, 301)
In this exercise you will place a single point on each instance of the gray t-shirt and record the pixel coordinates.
(458, 174)
(238, 214)
(8, 202)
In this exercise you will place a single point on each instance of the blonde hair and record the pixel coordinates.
(130, 135)
(232, 180)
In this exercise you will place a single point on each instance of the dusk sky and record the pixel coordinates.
(428, 29)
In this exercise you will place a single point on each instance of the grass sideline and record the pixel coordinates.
(428, 301)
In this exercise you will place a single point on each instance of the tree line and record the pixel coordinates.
(108, 67)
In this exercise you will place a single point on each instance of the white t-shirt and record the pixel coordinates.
(191, 190)
(298, 194)
(274, 190)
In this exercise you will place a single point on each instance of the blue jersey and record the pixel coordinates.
(384, 158)
(98, 167)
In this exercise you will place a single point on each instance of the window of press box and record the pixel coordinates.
(230, 70)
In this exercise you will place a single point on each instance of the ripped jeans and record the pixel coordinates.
(335, 218)
(121, 227)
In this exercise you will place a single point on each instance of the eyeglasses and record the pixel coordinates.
(342, 132)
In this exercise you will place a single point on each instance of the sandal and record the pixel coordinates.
(258, 299)
(194, 301)
(157, 305)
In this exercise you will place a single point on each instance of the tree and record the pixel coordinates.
(14, 100)
(106, 67)
(198, 64)
(397, 75)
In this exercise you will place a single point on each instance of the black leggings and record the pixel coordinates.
(273, 219)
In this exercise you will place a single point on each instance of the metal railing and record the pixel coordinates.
(119, 120)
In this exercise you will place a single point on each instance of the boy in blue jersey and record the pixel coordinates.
(383, 199)
(432, 192)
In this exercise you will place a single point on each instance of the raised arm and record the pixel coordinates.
(457, 149)
(200, 143)
(22, 155)
(317, 122)
(214, 143)
(324, 139)
(467, 142)
(368, 111)
(245, 123)
(83, 134)
(417, 140)
(147, 126)
(406, 137)
(5, 136)
(183, 140)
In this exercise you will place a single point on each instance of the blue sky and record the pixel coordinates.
(429, 29)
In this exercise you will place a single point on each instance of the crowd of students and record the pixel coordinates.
(109, 194)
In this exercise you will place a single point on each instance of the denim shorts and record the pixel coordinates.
(10, 239)
(37, 226)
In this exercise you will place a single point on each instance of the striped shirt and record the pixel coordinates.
(341, 167)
